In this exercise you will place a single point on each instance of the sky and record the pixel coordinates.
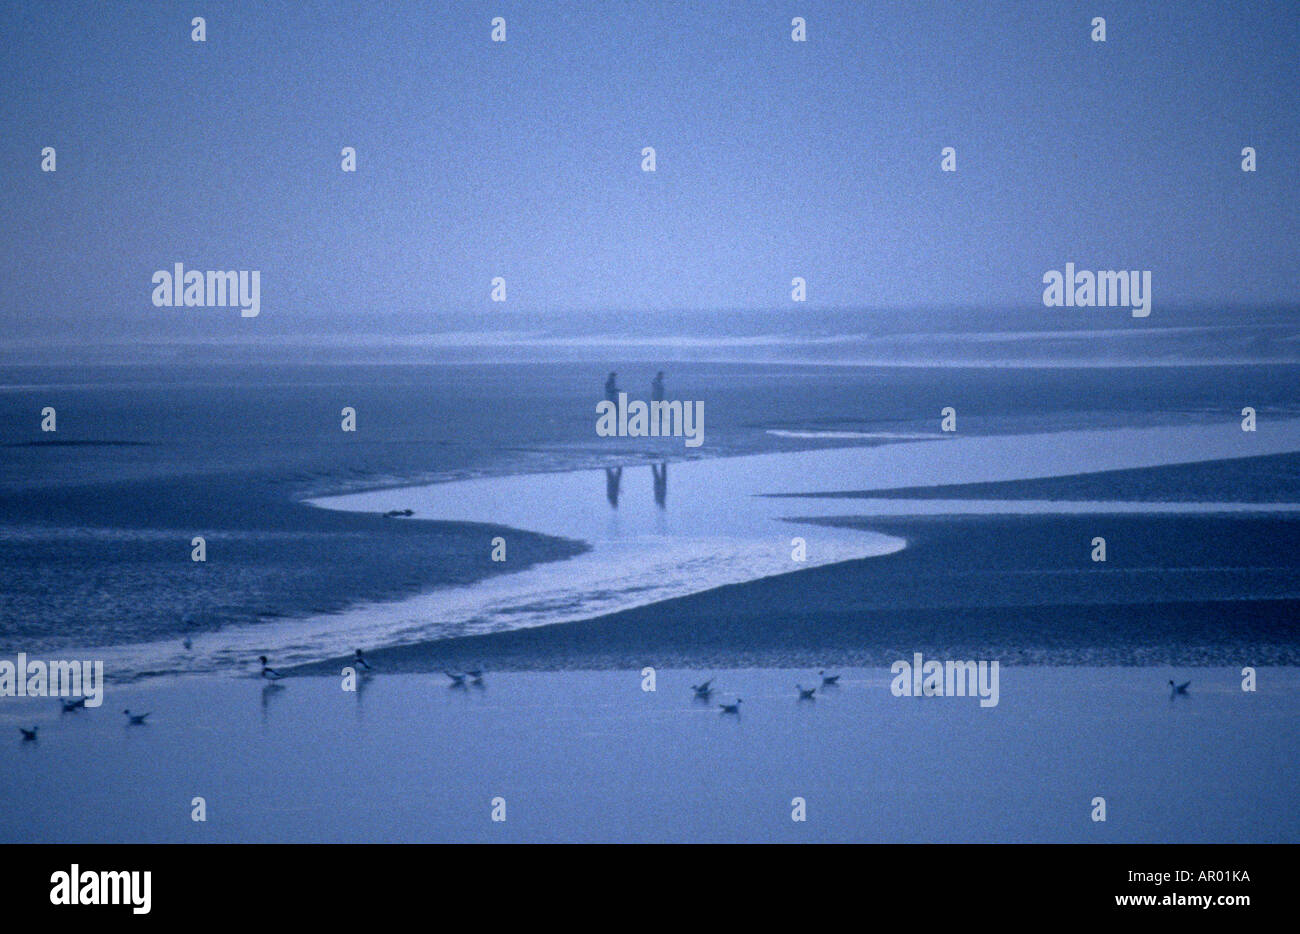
(522, 159)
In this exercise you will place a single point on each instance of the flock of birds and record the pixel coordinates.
(72, 706)
(459, 679)
(140, 719)
(462, 679)
(705, 692)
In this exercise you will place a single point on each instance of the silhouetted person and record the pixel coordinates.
(661, 482)
(613, 478)
(657, 387)
(611, 387)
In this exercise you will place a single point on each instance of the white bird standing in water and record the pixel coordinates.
(134, 719)
(361, 661)
(829, 681)
(28, 735)
(731, 708)
(805, 693)
(1179, 688)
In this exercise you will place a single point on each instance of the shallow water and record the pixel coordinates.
(590, 756)
(719, 525)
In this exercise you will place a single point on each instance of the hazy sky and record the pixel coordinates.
(774, 158)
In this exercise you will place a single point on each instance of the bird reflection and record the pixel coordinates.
(613, 480)
(269, 692)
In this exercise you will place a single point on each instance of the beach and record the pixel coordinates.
(571, 573)
(649, 423)
(563, 734)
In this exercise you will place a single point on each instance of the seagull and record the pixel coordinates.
(1180, 688)
(475, 677)
(829, 681)
(457, 681)
(362, 661)
(703, 691)
(806, 693)
(269, 673)
(134, 719)
(188, 643)
(731, 708)
(28, 735)
(70, 706)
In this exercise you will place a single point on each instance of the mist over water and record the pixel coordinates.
(1067, 337)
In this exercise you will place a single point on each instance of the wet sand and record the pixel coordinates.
(1175, 590)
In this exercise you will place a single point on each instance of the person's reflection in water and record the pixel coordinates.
(661, 483)
(613, 478)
